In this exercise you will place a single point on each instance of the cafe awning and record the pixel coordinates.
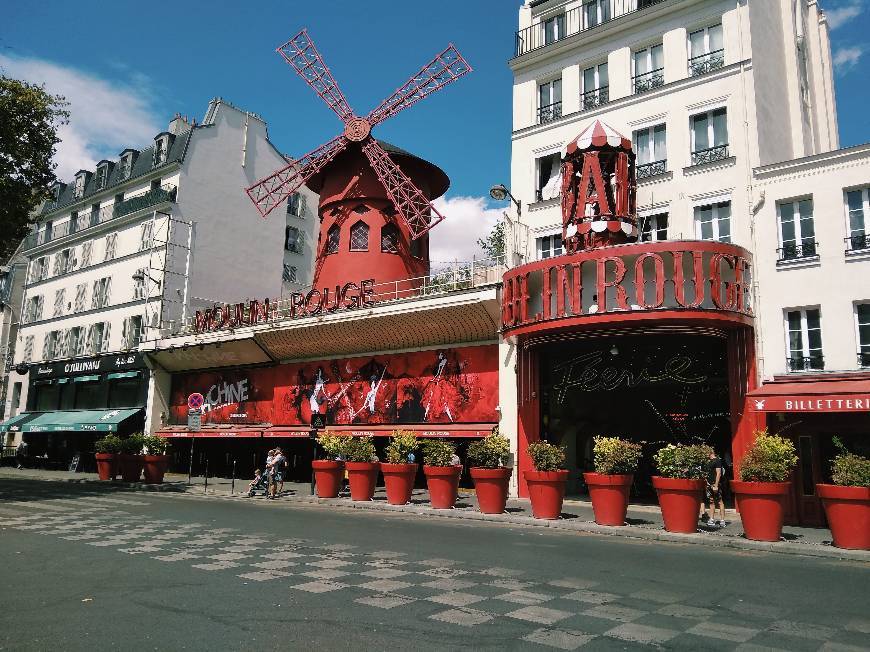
(15, 424)
(80, 420)
(828, 395)
(182, 432)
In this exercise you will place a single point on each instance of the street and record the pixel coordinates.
(88, 567)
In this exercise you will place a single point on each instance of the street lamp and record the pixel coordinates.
(500, 193)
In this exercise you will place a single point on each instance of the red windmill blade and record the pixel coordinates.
(410, 202)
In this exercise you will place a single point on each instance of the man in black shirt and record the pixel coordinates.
(715, 479)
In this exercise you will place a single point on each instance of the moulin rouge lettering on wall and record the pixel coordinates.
(589, 372)
(301, 304)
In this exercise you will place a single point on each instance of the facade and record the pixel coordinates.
(11, 291)
(129, 250)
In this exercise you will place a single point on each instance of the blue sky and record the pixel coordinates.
(128, 69)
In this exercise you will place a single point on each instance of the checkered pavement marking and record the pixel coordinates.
(558, 638)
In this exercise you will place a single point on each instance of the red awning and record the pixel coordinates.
(287, 431)
(446, 430)
(212, 433)
(835, 395)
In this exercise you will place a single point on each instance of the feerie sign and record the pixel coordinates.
(301, 304)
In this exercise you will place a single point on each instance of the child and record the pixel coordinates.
(258, 477)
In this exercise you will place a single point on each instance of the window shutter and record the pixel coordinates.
(125, 334)
(107, 330)
(108, 291)
(46, 345)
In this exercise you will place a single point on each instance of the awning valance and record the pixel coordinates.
(842, 395)
(428, 430)
(80, 420)
(212, 433)
(15, 424)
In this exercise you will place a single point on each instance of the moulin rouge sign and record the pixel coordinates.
(301, 304)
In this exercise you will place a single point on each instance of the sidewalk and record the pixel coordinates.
(643, 521)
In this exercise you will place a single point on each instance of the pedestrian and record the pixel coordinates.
(269, 470)
(715, 481)
(20, 453)
(279, 461)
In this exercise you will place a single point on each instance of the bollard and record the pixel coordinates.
(190, 469)
(233, 483)
(205, 486)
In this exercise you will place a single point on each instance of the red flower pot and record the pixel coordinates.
(546, 491)
(848, 512)
(327, 477)
(680, 501)
(443, 484)
(492, 488)
(155, 467)
(399, 481)
(107, 465)
(609, 494)
(363, 477)
(130, 466)
(762, 508)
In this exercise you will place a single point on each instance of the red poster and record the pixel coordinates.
(443, 386)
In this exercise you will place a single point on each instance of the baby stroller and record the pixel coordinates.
(262, 484)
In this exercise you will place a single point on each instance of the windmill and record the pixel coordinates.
(408, 202)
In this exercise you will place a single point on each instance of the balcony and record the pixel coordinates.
(651, 169)
(575, 21)
(150, 198)
(595, 97)
(648, 80)
(858, 242)
(795, 251)
(549, 112)
(704, 63)
(806, 363)
(864, 359)
(710, 155)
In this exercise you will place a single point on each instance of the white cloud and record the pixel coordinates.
(106, 116)
(466, 220)
(842, 13)
(846, 58)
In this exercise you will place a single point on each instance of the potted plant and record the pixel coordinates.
(156, 461)
(491, 479)
(847, 501)
(130, 457)
(680, 484)
(548, 479)
(362, 465)
(400, 469)
(763, 487)
(106, 454)
(329, 472)
(442, 474)
(615, 462)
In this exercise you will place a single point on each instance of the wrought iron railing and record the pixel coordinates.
(150, 198)
(806, 363)
(549, 112)
(857, 242)
(595, 97)
(704, 63)
(649, 80)
(577, 20)
(795, 251)
(652, 169)
(710, 154)
(864, 358)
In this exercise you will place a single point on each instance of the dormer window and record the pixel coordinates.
(56, 190)
(161, 148)
(128, 157)
(80, 183)
(102, 174)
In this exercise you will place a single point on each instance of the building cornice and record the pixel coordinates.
(814, 164)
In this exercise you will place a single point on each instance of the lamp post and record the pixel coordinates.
(500, 192)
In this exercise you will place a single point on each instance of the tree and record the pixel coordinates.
(29, 120)
(493, 244)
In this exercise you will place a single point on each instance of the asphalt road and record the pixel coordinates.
(89, 568)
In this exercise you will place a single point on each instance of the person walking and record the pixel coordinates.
(20, 454)
(715, 482)
(279, 462)
(269, 470)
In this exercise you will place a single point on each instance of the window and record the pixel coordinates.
(161, 146)
(332, 239)
(554, 28)
(28, 349)
(548, 184)
(293, 240)
(549, 101)
(139, 283)
(77, 342)
(595, 12)
(549, 246)
(289, 275)
(90, 220)
(79, 187)
(39, 269)
(132, 335)
(146, 235)
(296, 205)
(81, 296)
(102, 175)
(359, 237)
(101, 291)
(59, 302)
(652, 155)
(713, 222)
(858, 208)
(596, 87)
(33, 311)
(126, 166)
(98, 337)
(649, 68)
(706, 50)
(50, 345)
(804, 339)
(61, 260)
(862, 317)
(797, 235)
(87, 247)
(709, 136)
(654, 227)
(110, 242)
(390, 239)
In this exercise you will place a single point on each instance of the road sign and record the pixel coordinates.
(194, 420)
(195, 401)
(318, 421)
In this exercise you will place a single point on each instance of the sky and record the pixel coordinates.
(127, 70)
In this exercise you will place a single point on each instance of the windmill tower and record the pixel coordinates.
(375, 199)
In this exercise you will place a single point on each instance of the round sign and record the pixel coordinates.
(195, 401)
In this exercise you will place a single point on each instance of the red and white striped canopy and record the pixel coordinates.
(598, 134)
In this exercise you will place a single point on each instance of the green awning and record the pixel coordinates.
(123, 374)
(80, 420)
(15, 423)
(85, 379)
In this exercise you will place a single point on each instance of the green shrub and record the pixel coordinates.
(685, 461)
(438, 452)
(359, 449)
(155, 445)
(489, 452)
(615, 456)
(546, 456)
(771, 458)
(132, 445)
(333, 445)
(402, 443)
(108, 444)
(849, 469)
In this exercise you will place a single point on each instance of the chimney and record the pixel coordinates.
(178, 124)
